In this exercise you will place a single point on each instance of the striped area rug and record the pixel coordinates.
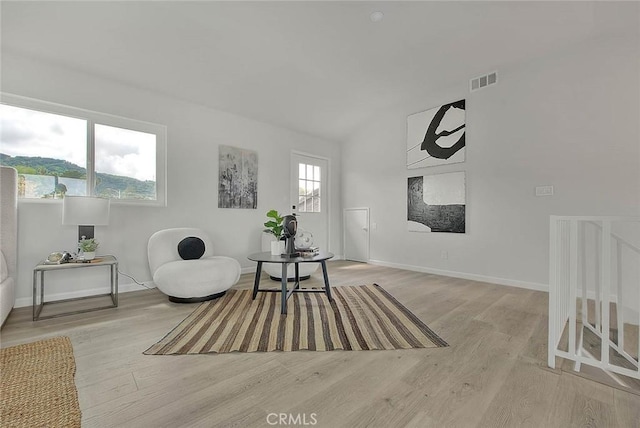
(360, 318)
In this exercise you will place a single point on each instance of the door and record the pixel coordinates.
(356, 234)
(310, 196)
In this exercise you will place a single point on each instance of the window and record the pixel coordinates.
(309, 179)
(46, 149)
(61, 150)
(125, 163)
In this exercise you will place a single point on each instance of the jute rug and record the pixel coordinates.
(37, 385)
(360, 318)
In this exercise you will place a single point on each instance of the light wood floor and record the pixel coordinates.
(493, 374)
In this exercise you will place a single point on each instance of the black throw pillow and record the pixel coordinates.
(191, 248)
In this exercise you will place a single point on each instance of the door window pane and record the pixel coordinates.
(125, 163)
(48, 150)
(309, 188)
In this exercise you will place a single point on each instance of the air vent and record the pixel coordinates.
(484, 81)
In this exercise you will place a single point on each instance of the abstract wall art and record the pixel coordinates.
(237, 178)
(436, 203)
(436, 136)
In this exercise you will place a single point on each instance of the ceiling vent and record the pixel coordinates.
(483, 81)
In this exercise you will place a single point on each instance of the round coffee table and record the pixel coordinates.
(267, 257)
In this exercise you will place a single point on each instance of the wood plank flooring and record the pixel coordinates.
(493, 374)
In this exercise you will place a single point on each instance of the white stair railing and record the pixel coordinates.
(594, 269)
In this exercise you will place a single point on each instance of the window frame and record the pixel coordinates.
(93, 118)
(312, 181)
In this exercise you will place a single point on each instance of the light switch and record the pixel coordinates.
(544, 190)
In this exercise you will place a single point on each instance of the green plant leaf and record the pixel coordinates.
(274, 226)
(274, 214)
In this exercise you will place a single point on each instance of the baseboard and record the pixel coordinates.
(22, 302)
(249, 269)
(472, 276)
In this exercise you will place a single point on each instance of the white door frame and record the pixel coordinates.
(327, 201)
(344, 233)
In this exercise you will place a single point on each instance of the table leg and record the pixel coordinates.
(283, 280)
(37, 308)
(256, 282)
(42, 287)
(327, 288)
(117, 284)
(35, 292)
(111, 284)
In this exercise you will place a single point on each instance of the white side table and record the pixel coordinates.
(38, 286)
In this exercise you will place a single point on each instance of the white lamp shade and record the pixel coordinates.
(84, 210)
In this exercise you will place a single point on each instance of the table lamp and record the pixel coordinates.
(85, 212)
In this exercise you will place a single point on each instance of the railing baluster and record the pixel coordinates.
(582, 262)
(606, 289)
(619, 295)
(564, 277)
(553, 292)
(598, 276)
(573, 284)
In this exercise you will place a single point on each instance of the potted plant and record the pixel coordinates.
(274, 227)
(88, 248)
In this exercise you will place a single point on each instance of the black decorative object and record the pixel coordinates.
(191, 248)
(431, 137)
(290, 228)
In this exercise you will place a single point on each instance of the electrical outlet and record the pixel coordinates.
(374, 226)
(444, 255)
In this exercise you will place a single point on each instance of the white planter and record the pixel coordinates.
(89, 255)
(277, 248)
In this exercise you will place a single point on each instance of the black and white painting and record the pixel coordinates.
(237, 178)
(436, 203)
(436, 136)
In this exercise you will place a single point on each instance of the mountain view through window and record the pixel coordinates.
(51, 153)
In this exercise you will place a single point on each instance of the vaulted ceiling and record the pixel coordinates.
(321, 68)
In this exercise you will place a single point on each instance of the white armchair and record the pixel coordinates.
(275, 270)
(184, 268)
(8, 239)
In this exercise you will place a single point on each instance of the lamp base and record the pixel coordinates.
(86, 232)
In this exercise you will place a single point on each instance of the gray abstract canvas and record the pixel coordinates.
(237, 178)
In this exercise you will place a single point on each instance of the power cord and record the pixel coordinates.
(134, 280)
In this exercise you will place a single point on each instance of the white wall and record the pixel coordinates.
(194, 134)
(571, 121)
